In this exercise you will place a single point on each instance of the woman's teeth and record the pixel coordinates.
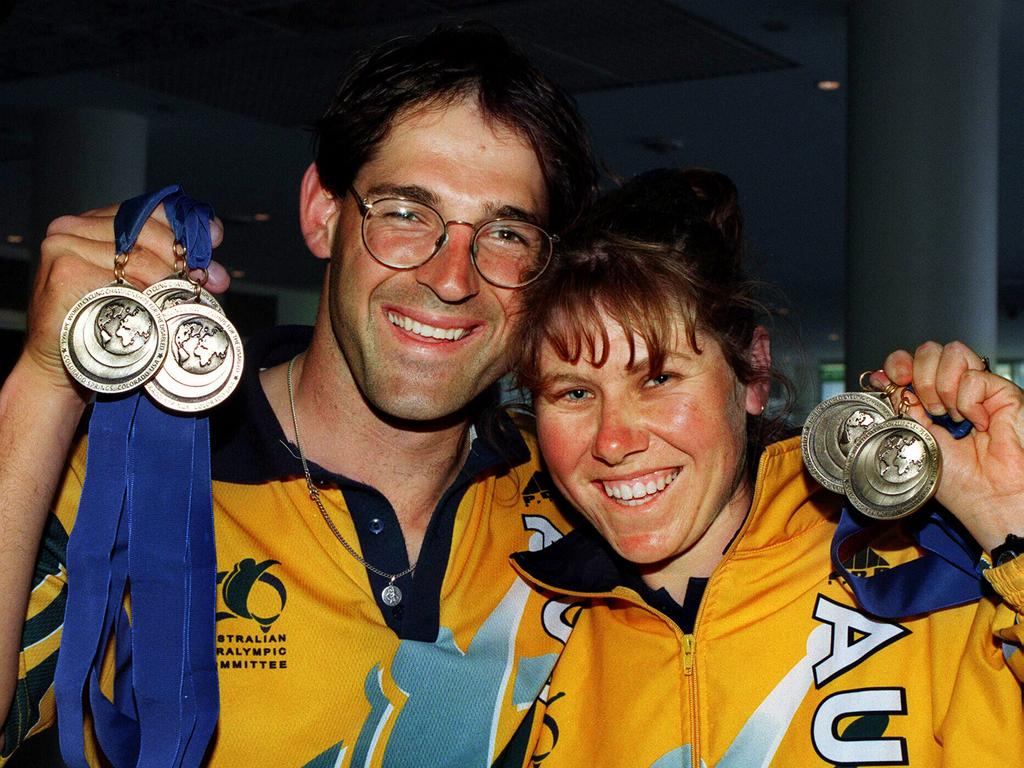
(638, 491)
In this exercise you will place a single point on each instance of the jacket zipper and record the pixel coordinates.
(690, 639)
(689, 648)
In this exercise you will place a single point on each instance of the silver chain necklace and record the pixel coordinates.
(391, 595)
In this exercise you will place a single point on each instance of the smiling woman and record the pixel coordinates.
(715, 631)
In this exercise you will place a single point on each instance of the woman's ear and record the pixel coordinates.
(317, 214)
(760, 357)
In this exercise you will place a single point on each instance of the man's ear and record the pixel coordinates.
(318, 210)
(760, 356)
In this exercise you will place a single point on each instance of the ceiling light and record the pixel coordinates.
(829, 85)
(238, 274)
(261, 217)
(662, 145)
(833, 337)
(15, 239)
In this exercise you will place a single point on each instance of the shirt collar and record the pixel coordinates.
(249, 447)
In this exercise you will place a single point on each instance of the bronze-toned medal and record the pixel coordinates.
(113, 339)
(175, 290)
(180, 287)
(893, 469)
(831, 430)
(204, 360)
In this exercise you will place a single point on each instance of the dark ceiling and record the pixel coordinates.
(269, 59)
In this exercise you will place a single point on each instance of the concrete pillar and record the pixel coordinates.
(922, 195)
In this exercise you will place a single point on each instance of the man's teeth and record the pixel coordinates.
(426, 331)
(637, 491)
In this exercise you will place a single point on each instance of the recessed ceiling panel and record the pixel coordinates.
(278, 60)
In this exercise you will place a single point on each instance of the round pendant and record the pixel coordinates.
(894, 468)
(113, 339)
(204, 359)
(832, 429)
(391, 595)
(174, 290)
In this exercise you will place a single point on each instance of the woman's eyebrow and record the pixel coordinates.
(560, 380)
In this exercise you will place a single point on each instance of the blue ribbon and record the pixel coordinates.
(132, 214)
(144, 528)
(190, 220)
(946, 575)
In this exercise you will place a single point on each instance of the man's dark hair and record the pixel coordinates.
(446, 65)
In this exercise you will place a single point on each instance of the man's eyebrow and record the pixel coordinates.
(416, 193)
(499, 211)
(411, 192)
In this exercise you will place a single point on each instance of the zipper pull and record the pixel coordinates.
(689, 643)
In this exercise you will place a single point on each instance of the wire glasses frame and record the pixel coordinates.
(404, 234)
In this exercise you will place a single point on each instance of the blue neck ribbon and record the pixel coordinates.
(142, 564)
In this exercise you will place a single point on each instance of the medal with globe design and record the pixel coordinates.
(175, 290)
(204, 361)
(893, 469)
(833, 428)
(113, 339)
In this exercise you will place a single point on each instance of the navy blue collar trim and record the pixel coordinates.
(249, 447)
(583, 562)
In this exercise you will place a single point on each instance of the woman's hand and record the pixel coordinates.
(983, 473)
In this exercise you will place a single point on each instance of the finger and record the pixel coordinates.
(78, 260)
(975, 389)
(103, 229)
(217, 280)
(155, 235)
(876, 380)
(926, 364)
(955, 360)
(216, 231)
(898, 368)
(100, 228)
(104, 211)
(151, 259)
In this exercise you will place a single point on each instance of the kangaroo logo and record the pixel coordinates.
(249, 582)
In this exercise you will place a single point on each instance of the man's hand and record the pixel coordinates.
(76, 257)
(983, 473)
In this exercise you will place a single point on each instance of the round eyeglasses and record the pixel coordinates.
(405, 234)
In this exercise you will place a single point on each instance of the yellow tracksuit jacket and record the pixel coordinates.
(781, 668)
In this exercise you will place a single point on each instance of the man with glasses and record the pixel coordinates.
(367, 491)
